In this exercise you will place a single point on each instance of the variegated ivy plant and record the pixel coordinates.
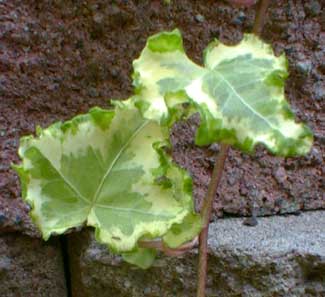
(109, 169)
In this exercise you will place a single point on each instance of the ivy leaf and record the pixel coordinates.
(239, 92)
(101, 169)
(161, 74)
(140, 257)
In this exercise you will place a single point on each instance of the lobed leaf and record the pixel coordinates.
(161, 74)
(239, 92)
(103, 169)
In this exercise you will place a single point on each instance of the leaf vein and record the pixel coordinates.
(244, 102)
(138, 129)
(66, 180)
(132, 210)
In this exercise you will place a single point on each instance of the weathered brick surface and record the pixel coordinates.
(30, 267)
(280, 257)
(59, 58)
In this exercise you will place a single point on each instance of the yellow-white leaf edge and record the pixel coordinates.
(108, 169)
(239, 93)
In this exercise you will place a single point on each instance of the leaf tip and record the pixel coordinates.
(167, 41)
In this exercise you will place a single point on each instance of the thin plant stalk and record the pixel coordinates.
(216, 177)
(206, 214)
(260, 16)
(160, 246)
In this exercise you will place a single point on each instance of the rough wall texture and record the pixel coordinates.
(30, 268)
(281, 257)
(59, 58)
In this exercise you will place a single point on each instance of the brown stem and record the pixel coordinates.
(216, 177)
(260, 16)
(206, 214)
(160, 246)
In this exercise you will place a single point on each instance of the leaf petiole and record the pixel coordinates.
(174, 252)
(206, 214)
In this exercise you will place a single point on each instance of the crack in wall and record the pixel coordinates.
(66, 264)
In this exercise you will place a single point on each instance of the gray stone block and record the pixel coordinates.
(30, 267)
(281, 256)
